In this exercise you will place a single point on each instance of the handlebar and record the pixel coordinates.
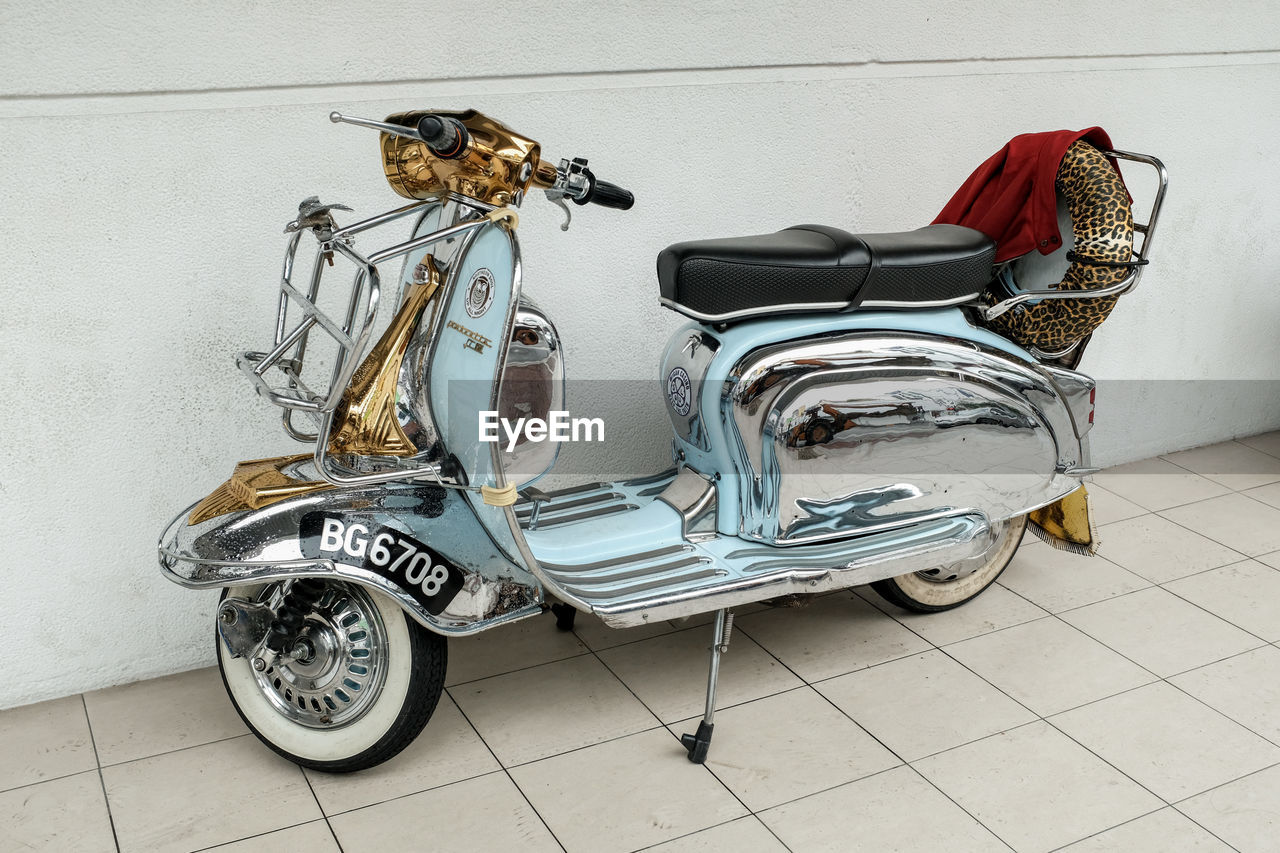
(447, 137)
(605, 194)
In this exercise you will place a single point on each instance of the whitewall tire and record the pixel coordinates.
(952, 585)
(366, 688)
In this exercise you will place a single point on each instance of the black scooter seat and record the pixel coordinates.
(816, 268)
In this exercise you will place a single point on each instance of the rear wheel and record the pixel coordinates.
(951, 585)
(358, 684)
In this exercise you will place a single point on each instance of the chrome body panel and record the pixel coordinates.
(682, 578)
(254, 546)
(867, 431)
(636, 564)
(694, 497)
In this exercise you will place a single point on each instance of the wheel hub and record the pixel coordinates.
(335, 668)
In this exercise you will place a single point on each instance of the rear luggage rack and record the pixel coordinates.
(1147, 230)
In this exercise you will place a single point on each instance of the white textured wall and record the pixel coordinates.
(150, 152)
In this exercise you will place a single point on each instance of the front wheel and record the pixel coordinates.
(951, 585)
(360, 682)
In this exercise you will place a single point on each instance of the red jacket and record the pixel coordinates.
(1011, 198)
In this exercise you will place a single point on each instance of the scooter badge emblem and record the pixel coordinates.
(679, 391)
(480, 293)
(475, 340)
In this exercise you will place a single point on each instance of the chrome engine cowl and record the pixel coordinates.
(854, 433)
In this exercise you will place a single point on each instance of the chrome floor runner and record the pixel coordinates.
(613, 550)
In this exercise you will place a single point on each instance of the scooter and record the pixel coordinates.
(841, 416)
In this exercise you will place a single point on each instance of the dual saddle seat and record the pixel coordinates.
(816, 268)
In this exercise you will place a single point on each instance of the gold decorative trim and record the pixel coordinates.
(255, 484)
(496, 168)
(365, 422)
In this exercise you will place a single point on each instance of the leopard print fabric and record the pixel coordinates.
(1103, 223)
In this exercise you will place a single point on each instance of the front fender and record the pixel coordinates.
(286, 539)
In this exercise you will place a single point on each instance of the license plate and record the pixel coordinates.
(432, 580)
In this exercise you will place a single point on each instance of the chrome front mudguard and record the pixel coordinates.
(267, 544)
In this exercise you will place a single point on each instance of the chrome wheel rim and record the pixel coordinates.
(950, 572)
(336, 668)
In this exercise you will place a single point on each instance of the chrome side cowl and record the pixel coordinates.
(271, 543)
(868, 431)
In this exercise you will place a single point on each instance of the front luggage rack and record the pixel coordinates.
(351, 334)
(1147, 230)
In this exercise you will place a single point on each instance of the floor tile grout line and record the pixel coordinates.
(805, 684)
(1160, 679)
(734, 794)
(750, 816)
(1174, 806)
(1148, 510)
(1201, 607)
(1238, 440)
(222, 844)
(1261, 642)
(956, 803)
(863, 728)
(172, 751)
(1162, 512)
(731, 792)
(454, 684)
(1063, 847)
(1273, 741)
(306, 778)
(627, 687)
(50, 779)
(1197, 574)
(503, 769)
(1209, 477)
(102, 782)
(693, 718)
(1180, 802)
(1046, 615)
(1232, 656)
(904, 765)
(587, 650)
(1108, 763)
(426, 790)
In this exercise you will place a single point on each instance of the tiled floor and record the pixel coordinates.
(1127, 702)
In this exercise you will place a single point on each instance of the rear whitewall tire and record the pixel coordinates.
(415, 662)
(921, 594)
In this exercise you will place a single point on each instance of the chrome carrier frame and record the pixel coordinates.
(1146, 229)
(351, 335)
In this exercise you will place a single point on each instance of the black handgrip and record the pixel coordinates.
(605, 194)
(445, 136)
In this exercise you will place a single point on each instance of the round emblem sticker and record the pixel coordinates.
(679, 391)
(480, 293)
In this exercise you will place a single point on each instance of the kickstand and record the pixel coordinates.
(698, 744)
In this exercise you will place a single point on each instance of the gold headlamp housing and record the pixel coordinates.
(496, 168)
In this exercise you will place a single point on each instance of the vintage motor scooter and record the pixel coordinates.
(841, 416)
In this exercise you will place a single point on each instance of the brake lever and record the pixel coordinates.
(558, 201)
(572, 181)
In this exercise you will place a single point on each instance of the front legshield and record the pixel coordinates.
(419, 545)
